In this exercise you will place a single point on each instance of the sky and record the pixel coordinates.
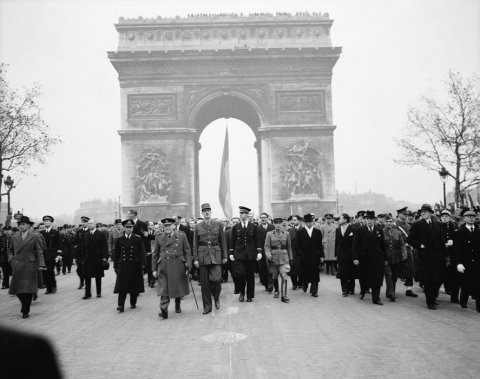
(393, 52)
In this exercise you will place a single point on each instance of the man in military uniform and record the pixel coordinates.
(245, 249)
(116, 232)
(451, 281)
(209, 252)
(396, 254)
(52, 254)
(80, 249)
(129, 260)
(265, 276)
(171, 260)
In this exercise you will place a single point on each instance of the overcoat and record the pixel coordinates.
(394, 245)
(467, 252)
(296, 266)
(67, 248)
(209, 246)
(96, 249)
(129, 258)
(430, 258)
(369, 249)
(25, 256)
(171, 258)
(407, 269)
(329, 235)
(54, 248)
(309, 250)
(344, 253)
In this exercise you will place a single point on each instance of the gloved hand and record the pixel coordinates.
(259, 256)
(356, 262)
(460, 268)
(232, 258)
(196, 264)
(449, 243)
(154, 273)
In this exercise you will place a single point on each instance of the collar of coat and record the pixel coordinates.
(175, 235)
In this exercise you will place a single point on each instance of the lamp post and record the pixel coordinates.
(443, 177)
(9, 186)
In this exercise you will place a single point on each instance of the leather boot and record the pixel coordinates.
(178, 309)
(285, 299)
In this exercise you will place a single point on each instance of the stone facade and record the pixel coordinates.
(271, 71)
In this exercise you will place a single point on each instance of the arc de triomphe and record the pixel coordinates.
(272, 72)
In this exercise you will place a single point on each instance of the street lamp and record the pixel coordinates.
(443, 177)
(9, 186)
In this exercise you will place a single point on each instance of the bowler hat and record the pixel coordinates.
(47, 218)
(426, 207)
(308, 218)
(128, 222)
(244, 209)
(26, 220)
(168, 220)
(206, 206)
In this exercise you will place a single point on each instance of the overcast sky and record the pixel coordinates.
(393, 52)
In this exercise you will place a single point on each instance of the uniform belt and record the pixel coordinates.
(202, 243)
(172, 256)
(281, 247)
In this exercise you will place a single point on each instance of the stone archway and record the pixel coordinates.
(271, 71)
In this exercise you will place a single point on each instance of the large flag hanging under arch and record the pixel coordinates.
(224, 189)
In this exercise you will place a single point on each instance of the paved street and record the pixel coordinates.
(326, 337)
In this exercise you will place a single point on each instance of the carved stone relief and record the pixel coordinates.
(153, 178)
(300, 102)
(301, 174)
(152, 106)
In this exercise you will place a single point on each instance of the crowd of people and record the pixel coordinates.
(428, 247)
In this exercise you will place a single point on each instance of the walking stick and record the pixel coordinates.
(191, 286)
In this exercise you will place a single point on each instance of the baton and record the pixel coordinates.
(193, 291)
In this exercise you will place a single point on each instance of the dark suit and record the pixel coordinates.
(79, 253)
(52, 239)
(344, 253)
(263, 272)
(431, 257)
(452, 277)
(295, 266)
(96, 249)
(369, 249)
(467, 252)
(310, 251)
(244, 246)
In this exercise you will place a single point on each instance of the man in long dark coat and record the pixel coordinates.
(171, 261)
(369, 252)
(426, 236)
(96, 252)
(52, 254)
(295, 265)
(309, 248)
(263, 272)
(129, 260)
(79, 249)
(467, 252)
(344, 253)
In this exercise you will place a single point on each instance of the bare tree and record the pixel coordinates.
(24, 136)
(447, 134)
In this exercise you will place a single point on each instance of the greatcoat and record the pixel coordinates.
(344, 253)
(309, 250)
(96, 249)
(171, 258)
(25, 256)
(467, 251)
(328, 234)
(129, 258)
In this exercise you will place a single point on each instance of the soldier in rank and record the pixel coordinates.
(209, 252)
(52, 254)
(129, 260)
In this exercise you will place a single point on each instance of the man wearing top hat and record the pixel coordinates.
(79, 248)
(52, 254)
(171, 261)
(467, 252)
(369, 253)
(129, 260)
(408, 266)
(209, 252)
(245, 249)
(426, 236)
(309, 248)
(25, 255)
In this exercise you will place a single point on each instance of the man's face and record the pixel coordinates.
(8, 233)
(130, 215)
(295, 221)
(91, 224)
(369, 221)
(47, 223)
(23, 227)
(263, 219)
(177, 219)
(41, 227)
(342, 221)
(445, 219)
(425, 214)
(128, 229)
(118, 226)
(192, 224)
(243, 215)
(381, 221)
(168, 228)
(388, 223)
(469, 219)
(235, 220)
(207, 213)
(328, 220)
(278, 226)
(402, 216)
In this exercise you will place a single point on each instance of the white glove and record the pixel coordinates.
(154, 273)
(259, 256)
(232, 257)
(196, 264)
(449, 243)
(460, 268)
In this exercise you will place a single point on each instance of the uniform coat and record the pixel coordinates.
(309, 250)
(295, 267)
(25, 257)
(171, 258)
(329, 234)
(52, 239)
(395, 246)
(344, 253)
(129, 258)
(408, 266)
(467, 251)
(96, 249)
(431, 258)
(244, 242)
(369, 249)
(209, 246)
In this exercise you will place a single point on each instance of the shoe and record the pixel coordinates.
(249, 300)
(163, 314)
(351, 292)
(294, 288)
(270, 289)
(4, 287)
(236, 292)
(80, 287)
(86, 297)
(345, 294)
(362, 295)
(178, 310)
(241, 298)
(25, 315)
(435, 302)
(431, 306)
(99, 295)
(64, 273)
(305, 288)
(35, 297)
(275, 295)
(54, 289)
(133, 306)
(285, 299)
(378, 302)
(206, 312)
(48, 292)
(217, 304)
(314, 294)
(410, 293)
(392, 299)
(463, 305)
(120, 309)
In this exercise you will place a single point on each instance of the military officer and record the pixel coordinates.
(408, 266)
(80, 249)
(209, 252)
(52, 254)
(129, 260)
(246, 250)
(171, 260)
(396, 254)
(328, 234)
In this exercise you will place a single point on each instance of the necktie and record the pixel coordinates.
(243, 225)
(370, 228)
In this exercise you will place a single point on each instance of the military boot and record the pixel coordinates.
(285, 299)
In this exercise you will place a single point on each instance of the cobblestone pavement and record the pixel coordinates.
(325, 337)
